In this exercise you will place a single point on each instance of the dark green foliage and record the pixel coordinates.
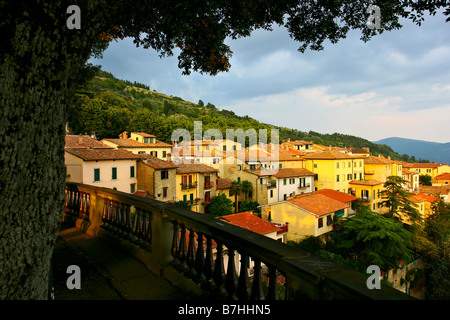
(249, 206)
(425, 180)
(220, 206)
(371, 239)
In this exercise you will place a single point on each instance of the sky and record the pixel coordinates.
(395, 85)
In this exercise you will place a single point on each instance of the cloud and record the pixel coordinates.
(396, 81)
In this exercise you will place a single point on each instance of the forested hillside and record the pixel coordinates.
(109, 106)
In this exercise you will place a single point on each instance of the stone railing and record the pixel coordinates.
(210, 257)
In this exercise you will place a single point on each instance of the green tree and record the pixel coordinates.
(249, 206)
(246, 188)
(372, 239)
(437, 272)
(425, 180)
(398, 200)
(40, 65)
(220, 206)
(235, 190)
(437, 225)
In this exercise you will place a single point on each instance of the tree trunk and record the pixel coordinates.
(41, 59)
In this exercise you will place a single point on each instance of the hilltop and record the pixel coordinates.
(109, 106)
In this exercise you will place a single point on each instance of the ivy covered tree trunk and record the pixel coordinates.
(40, 60)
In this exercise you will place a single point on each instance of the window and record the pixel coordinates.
(164, 154)
(329, 220)
(320, 222)
(284, 181)
(337, 178)
(164, 192)
(271, 193)
(337, 165)
(191, 198)
(133, 187)
(261, 180)
(207, 197)
(164, 174)
(315, 165)
(360, 176)
(96, 174)
(349, 177)
(281, 166)
(146, 140)
(185, 198)
(114, 173)
(131, 171)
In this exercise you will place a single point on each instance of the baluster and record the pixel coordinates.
(148, 227)
(191, 252)
(200, 257)
(209, 265)
(182, 249)
(137, 223)
(257, 288)
(273, 286)
(231, 278)
(219, 272)
(174, 249)
(243, 290)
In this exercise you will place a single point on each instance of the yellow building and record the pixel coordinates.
(334, 169)
(223, 187)
(140, 143)
(195, 183)
(310, 215)
(369, 192)
(431, 169)
(442, 179)
(380, 168)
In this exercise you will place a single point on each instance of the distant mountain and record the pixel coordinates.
(426, 150)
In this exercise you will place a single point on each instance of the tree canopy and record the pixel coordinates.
(42, 62)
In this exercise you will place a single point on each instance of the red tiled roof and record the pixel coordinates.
(102, 154)
(331, 155)
(157, 163)
(184, 168)
(249, 221)
(377, 160)
(145, 135)
(366, 182)
(82, 141)
(292, 172)
(129, 143)
(426, 197)
(337, 195)
(223, 183)
(443, 176)
(318, 204)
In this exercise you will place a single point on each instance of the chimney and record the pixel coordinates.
(80, 138)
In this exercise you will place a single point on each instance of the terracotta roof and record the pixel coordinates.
(292, 172)
(318, 204)
(377, 160)
(421, 165)
(145, 135)
(102, 154)
(337, 195)
(223, 183)
(331, 154)
(144, 193)
(157, 163)
(129, 143)
(366, 182)
(426, 197)
(443, 176)
(249, 221)
(184, 168)
(434, 190)
(82, 141)
(359, 151)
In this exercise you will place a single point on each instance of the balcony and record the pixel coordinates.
(187, 186)
(306, 185)
(271, 184)
(190, 249)
(209, 184)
